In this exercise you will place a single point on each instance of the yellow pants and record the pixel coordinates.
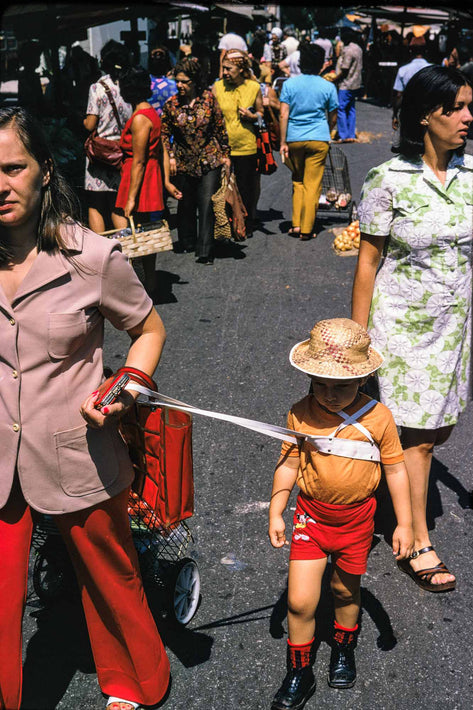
(307, 162)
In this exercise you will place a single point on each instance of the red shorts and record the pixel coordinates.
(343, 531)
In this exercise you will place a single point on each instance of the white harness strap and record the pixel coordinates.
(348, 448)
(353, 420)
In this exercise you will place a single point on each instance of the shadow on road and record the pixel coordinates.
(60, 647)
(228, 249)
(385, 520)
(165, 280)
(325, 615)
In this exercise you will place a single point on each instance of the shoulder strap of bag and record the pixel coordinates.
(112, 102)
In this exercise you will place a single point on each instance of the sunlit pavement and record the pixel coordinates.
(230, 328)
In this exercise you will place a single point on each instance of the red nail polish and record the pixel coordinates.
(105, 410)
(94, 393)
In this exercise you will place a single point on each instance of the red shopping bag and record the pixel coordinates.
(266, 165)
(160, 445)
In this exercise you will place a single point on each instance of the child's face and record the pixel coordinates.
(335, 394)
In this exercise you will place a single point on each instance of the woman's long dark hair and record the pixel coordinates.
(59, 205)
(431, 88)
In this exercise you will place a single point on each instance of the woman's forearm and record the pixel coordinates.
(365, 275)
(283, 119)
(136, 177)
(148, 340)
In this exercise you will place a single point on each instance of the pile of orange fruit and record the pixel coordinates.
(349, 238)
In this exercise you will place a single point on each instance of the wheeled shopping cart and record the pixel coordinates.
(161, 540)
(336, 194)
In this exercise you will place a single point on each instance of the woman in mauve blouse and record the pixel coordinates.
(195, 137)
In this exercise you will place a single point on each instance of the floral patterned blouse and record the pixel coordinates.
(98, 177)
(197, 133)
(421, 308)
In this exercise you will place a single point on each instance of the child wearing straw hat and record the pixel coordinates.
(343, 436)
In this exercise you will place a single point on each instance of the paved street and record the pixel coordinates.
(230, 328)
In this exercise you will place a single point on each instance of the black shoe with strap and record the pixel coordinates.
(342, 669)
(297, 687)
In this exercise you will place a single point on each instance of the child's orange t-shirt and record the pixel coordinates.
(336, 479)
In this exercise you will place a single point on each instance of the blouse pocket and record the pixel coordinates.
(65, 333)
(87, 459)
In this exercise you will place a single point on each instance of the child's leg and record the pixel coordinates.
(305, 581)
(346, 597)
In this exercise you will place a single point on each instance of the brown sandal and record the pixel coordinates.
(423, 577)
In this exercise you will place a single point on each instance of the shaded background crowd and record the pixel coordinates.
(210, 104)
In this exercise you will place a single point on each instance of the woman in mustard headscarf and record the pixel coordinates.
(241, 102)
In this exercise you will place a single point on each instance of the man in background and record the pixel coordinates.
(348, 79)
(289, 41)
(418, 61)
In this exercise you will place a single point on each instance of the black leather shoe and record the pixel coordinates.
(342, 670)
(296, 689)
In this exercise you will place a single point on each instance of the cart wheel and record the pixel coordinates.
(184, 590)
(50, 578)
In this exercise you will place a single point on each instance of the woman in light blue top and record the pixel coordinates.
(306, 100)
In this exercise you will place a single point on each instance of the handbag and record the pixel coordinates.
(266, 165)
(272, 122)
(222, 227)
(159, 442)
(235, 208)
(103, 150)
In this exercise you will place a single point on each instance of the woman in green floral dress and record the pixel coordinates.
(416, 221)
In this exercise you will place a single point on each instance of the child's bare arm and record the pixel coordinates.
(398, 484)
(284, 479)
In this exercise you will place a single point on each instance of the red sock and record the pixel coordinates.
(299, 654)
(343, 634)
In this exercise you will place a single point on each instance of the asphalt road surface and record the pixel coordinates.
(230, 329)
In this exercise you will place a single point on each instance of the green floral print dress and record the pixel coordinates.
(420, 311)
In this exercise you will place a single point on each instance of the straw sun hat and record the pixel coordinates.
(338, 349)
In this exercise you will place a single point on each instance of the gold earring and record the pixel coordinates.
(424, 122)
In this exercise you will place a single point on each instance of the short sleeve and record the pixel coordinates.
(285, 95)
(124, 301)
(398, 83)
(375, 210)
(390, 445)
(288, 448)
(93, 107)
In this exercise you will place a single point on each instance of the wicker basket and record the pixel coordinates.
(150, 240)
